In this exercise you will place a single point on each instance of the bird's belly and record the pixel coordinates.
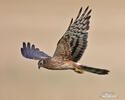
(58, 66)
(63, 67)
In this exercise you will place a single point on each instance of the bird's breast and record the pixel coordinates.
(58, 64)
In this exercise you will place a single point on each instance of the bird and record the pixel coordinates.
(69, 50)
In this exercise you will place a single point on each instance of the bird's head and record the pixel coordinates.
(40, 63)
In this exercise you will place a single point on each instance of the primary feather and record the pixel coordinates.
(29, 51)
(75, 36)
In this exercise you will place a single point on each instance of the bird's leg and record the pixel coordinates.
(78, 69)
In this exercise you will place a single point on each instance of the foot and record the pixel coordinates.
(78, 70)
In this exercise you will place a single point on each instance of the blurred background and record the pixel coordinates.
(43, 22)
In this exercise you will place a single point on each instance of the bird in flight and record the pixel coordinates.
(70, 48)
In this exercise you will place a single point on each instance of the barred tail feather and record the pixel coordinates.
(95, 70)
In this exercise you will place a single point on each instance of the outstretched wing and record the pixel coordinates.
(63, 49)
(31, 52)
(75, 36)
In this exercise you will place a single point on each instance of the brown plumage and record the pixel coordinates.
(76, 35)
(70, 48)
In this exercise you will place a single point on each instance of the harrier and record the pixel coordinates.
(70, 48)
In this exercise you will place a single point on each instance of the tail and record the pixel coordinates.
(95, 70)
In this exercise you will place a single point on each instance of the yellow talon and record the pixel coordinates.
(79, 70)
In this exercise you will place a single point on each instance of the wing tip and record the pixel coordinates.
(79, 13)
(22, 52)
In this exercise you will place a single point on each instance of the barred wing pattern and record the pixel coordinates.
(31, 52)
(77, 36)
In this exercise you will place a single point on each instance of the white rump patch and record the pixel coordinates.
(78, 63)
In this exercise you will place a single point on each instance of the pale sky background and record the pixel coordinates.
(43, 22)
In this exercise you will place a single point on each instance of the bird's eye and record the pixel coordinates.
(40, 63)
